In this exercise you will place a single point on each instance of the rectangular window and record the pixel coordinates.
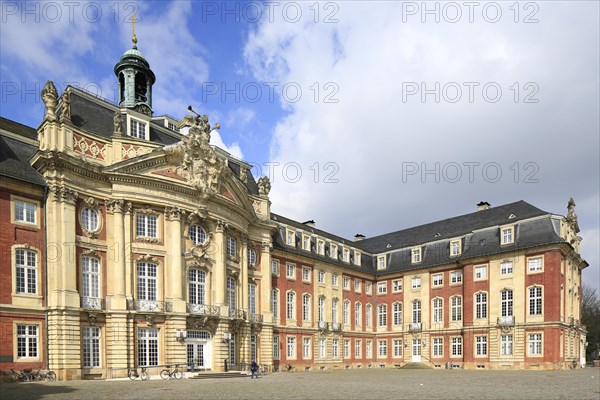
(275, 267)
(90, 277)
(535, 300)
(506, 303)
(291, 305)
(305, 242)
(147, 347)
(382, 315)
(397, 285)
(438, 311)
(147, 278)
(321, 277)
(381, 287)
(481, 345)
(506, 235)
(27, 341)
(252, 299)
(91, 347)
(320, 247)
(481, 305)
(231, 295)
(381, 262)
(368, 287)
(438, 347)
(290, 271)
(357, 347)
(26, 271)
(253, 342)
(457, 346)
(369, 348)
(456, 302)
(357, 314)
(321, 310)
(416, 255)
(456, 277)
(290, 238)
(416, 282)
(25, 212)
(534, 264)
(382, 348)
(535, 344)
(346, 348)
(232, 356)
(291, 347)
(335, 348)
(357, 286)
(397, 348)
(146, 225)
(346, 255)
(334, 310)
(322, 352)
(276, 355)
(275, 302)
(506, 345)
(346, 313)
(357, 257)
(306, 307)
(137, 129)
(506, 268)
(455, 248)
(306, 347)
(346, 283)
(333, 251)
(369, 315)
(480, 272)
(231, 247)
(437, 280)
(397, 314)
(334, 279)
(306, 274)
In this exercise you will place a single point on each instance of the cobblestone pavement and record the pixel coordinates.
(332, 385)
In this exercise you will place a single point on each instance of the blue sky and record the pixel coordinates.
(384, 115)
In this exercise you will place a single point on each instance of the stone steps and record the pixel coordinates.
(219, 375)
(416, 365)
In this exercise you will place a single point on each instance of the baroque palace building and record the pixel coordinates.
(126, 242)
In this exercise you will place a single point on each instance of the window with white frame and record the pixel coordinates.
(27, 341)
(481, 305)
(291, 347)
(535, 300)
(455, 248)
(290, 238)
(357, 347)
(382, 315)
(346, 254)
(91, 346)
(320, 247)
(231, 293)
(457, 346)
(146, 225)
(456, 304)
(335, 348)
(380, 262)
(507, 235)
(275, 267)
(322, 349)
(26, 271)
(90, 277)
(438, 310)
(369, 315)
(369, 348)
(357, 314)
(305, 242)
(456, 277)
(321, 308)
(346, 283)
(397, 314)
(251, 254)
(506, 268)
(481, 345)
(397, 348)
(276, 345)
(231, 246)
(147, 281)
(415, 255)
(252, 299)
(357, 285)
(416, 282)
(306, 274)
(506, 303)
(334, 311)
(535, 264)
(306, 347)
(506, 345)
(346, 348)
(437, 279)
(290, 271)
(232, 348)
(438, 346)
(89, 219)
(382, 348)
(305, 307)
(137, 129)
(333, 250)
(334, 279)
(416, 311)
(291, 305)
(346, 312)
(357, 256)
(368, 287)
(397, 285)
(535, 344)
(197, 234)
(321, 277)
(147, 347)
(25, 212)
(382, 287)
(480, 272)
(275, 302)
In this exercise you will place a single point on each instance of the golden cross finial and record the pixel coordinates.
(133, 37)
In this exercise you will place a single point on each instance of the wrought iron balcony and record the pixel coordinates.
(415, 327)
(92, 303)
(237, 313)
(508, 320)
(322, 325)
(203, 309)
(256, 318)
(149, 305)
(336, 327)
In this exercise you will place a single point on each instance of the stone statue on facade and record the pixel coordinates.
(571, 217)
(65, 112)
(49, 97)
(264, 186)
(118, 124)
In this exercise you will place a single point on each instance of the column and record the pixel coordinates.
(219, 270)
(174, 259)
(244, 275)
(266, 281)
(70, 296)
(117, 277)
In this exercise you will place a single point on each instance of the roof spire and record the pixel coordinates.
(133, 37)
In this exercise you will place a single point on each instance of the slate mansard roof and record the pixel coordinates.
(479, 233)
(15, 154)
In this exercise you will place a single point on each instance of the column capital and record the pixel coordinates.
(221, 226)
(266, 247)
(63, 194)
(115, 205)
(174, 213)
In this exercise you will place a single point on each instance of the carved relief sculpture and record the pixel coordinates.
(65, 113)
(264, 186)
(49, 97)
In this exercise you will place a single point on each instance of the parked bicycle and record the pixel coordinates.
(132, 373)
(44, 375)
(167, 373)
(16, 376)
(263, 369)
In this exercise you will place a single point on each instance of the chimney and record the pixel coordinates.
(310, 223)
(358, 237)
(484, 205)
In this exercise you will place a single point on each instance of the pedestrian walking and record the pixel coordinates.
(254, 369)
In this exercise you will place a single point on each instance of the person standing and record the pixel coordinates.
(254, 369)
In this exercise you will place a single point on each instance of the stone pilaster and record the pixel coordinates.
(219, 270)
(175, 268)
(119, 342)
(266, 282)
(244, 275)
(116, 296)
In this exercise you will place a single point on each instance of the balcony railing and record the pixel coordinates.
(256, 318)
(92, 303)
(508, 320)
(203, 309)
(415, 327)
(149, 305)
(237, 313)
(322, 325)
(336, 326)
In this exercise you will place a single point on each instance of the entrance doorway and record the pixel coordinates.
(416, 350)
(199, 350)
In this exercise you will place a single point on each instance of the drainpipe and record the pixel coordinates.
(45, 197)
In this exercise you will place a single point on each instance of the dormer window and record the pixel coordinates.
(455, 248)
(381, 262)
(305, 242)
(507, 235)
(346, 255)
(416, 255)
(320, 247)
(357, 258)
(333, 251)
(137, 129)
(290, 238)
(172, 127)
